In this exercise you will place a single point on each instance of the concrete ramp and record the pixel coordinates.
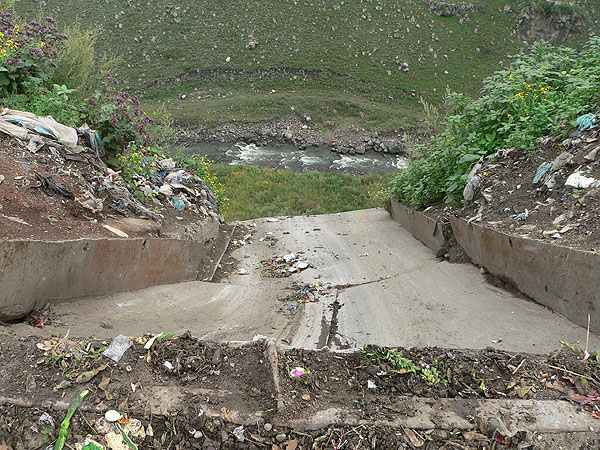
(383, 287)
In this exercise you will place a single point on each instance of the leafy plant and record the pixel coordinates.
(26, 51)
(117, 116)
(392, 357)
(71, 356)
(432, 376)
(38, 99)
(543, 89)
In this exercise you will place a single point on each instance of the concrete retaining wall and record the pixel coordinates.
(564, 279)
(424, 228)
(33, 273)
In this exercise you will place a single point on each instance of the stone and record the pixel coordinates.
(268, 427)
(281, 437)
(591, 156)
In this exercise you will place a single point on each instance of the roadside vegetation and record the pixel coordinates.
(339, 63)
(540, 92)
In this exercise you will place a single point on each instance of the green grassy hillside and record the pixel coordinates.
(335, 60)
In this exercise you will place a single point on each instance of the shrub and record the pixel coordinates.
(26, 51)
(545, 88)
(78, 65)
(118, 118)
(55, 102)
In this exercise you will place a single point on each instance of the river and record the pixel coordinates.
(287, 156)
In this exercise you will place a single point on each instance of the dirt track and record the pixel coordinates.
(378, 286)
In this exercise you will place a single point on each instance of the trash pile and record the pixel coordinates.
(58, 173)
(552, 195)
(305, 293)
(283, 266)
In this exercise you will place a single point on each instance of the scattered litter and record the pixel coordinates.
(291, 308)
(591, 156)
(54, 187)
(148, 345)
(116, 231)
(239, 433)
(17, 123)
(178, 203)
(272, 219)
(304, 293)
(117, 348)
(364, 255)
(473, 183)
(577, 180)
(168, 366)
(521, 216)
(497, 341)
(586, 122)
(279, 267)
(243, 271)
(115, 441)
(113, 415)
(541, 171)
(64, 426)
(371, 384)
(2, 178)
(167, 163)
(298, 372)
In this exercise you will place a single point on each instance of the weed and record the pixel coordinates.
(571, 347)
(70, 356)
(391, 357)
(433, 376)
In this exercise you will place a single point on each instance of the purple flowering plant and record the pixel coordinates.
(118, 117)
(26, 51)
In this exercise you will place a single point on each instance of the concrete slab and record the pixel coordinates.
(386, 288)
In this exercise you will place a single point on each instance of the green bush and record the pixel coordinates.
(118, 117)
(542, 90)
(38, 99)
(78, 64)
(26, 50)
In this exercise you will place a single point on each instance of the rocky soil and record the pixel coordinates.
(301, 133)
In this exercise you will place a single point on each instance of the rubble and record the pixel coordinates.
(54, 180)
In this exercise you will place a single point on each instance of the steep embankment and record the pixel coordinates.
(361, 62)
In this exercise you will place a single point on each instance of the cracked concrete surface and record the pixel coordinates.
(385, 288)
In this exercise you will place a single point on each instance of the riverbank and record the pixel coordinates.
(302, 133)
